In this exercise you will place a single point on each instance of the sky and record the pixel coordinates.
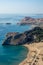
(21, 6)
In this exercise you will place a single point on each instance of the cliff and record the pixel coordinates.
(34, 35)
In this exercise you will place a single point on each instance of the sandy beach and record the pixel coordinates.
(35, 54)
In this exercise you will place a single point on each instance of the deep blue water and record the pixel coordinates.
(12, 55)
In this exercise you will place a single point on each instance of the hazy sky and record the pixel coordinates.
(21, 6)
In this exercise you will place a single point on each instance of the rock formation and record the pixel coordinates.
(34, 35)
(29, 20)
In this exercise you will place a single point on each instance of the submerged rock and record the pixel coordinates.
(34, 35)
(8, 23)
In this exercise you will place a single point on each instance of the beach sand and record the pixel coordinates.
(35, 54)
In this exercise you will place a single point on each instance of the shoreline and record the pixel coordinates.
(34, 54)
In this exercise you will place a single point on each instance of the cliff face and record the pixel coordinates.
(34, 35)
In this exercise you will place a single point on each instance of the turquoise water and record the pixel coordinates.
(12, 55)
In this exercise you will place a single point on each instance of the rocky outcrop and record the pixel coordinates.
(34, 35)
(29, 20)
(8, 23)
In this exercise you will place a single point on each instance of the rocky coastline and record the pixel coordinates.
(32, 39)
(32, 21)
(16, 38)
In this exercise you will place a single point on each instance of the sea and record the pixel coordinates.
(13, 55)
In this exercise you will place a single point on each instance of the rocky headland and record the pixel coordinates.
(33, 40)
(30, 20)
(16, 38)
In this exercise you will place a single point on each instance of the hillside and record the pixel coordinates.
(34, 35)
